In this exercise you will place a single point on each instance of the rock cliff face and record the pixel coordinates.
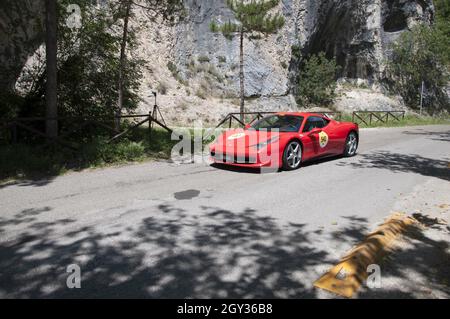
(356, 32)
(190, 61)
(21, 34)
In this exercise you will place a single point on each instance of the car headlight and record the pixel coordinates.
(264, 144)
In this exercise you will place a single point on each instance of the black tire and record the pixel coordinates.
(289, 163)
(351, 145)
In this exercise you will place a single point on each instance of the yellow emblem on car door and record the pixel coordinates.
(323, 139)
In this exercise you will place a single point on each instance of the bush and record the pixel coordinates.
(420, 55)
(317, 81)
(423, 55)
(28, 161)
(100, 152)
(162, 88)
(443, 26)
(172, 67)
(10, 104)
(24, 160)
(222, 59)
(203, 59)
(175, 72)
(201, 93)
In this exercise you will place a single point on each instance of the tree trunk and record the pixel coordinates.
(122, 61)
(241, 74)
(51, 94)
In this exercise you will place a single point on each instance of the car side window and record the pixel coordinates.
(315, 122)
(312, 123)
(325, 122)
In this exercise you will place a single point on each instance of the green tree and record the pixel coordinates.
(421, 55)
(443, 26)
(253, 18)
(88, 46)
(317, 81)
(51, 94)
(153, 8)
(122, 59)
(91, 54)
(89, 62)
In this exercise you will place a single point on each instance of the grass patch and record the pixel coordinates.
(24, 161)
(201, 93)
(175, 72)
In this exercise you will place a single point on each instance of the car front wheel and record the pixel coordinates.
(292, 156)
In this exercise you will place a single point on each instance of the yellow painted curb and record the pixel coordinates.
(345, 278)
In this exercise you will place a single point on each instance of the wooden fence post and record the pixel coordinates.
(150, 124)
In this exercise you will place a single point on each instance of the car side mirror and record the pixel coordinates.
(315, 131)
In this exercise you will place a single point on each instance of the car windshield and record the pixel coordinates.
(282, 123)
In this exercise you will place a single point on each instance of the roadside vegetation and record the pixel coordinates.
(30, 161)
(422, 56)
(96, 77)
(317, 81)
(419, 60)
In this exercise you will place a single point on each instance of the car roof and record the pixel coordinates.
(304, 114)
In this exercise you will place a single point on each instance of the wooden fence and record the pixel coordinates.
(374, 117)
(69, 126)
(251, 117)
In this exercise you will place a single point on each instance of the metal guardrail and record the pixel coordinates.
(373, 117)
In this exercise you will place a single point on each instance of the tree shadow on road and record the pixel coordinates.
(418, 261)
(403, 163)
(421, 261)
(171, 254)
(435, 136)
(36, 182)
(355, 232)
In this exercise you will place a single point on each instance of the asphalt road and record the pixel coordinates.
(179, 231)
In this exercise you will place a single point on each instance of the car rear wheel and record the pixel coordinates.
(351, 145)
(292, 156)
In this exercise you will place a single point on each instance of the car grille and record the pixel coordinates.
(233, 158)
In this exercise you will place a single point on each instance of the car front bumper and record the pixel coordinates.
(250, 160)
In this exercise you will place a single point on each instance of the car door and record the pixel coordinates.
(317, 144)
(329, 128)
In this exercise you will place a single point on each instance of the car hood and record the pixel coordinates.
(249, 137)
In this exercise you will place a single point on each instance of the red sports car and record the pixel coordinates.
(285, 140)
